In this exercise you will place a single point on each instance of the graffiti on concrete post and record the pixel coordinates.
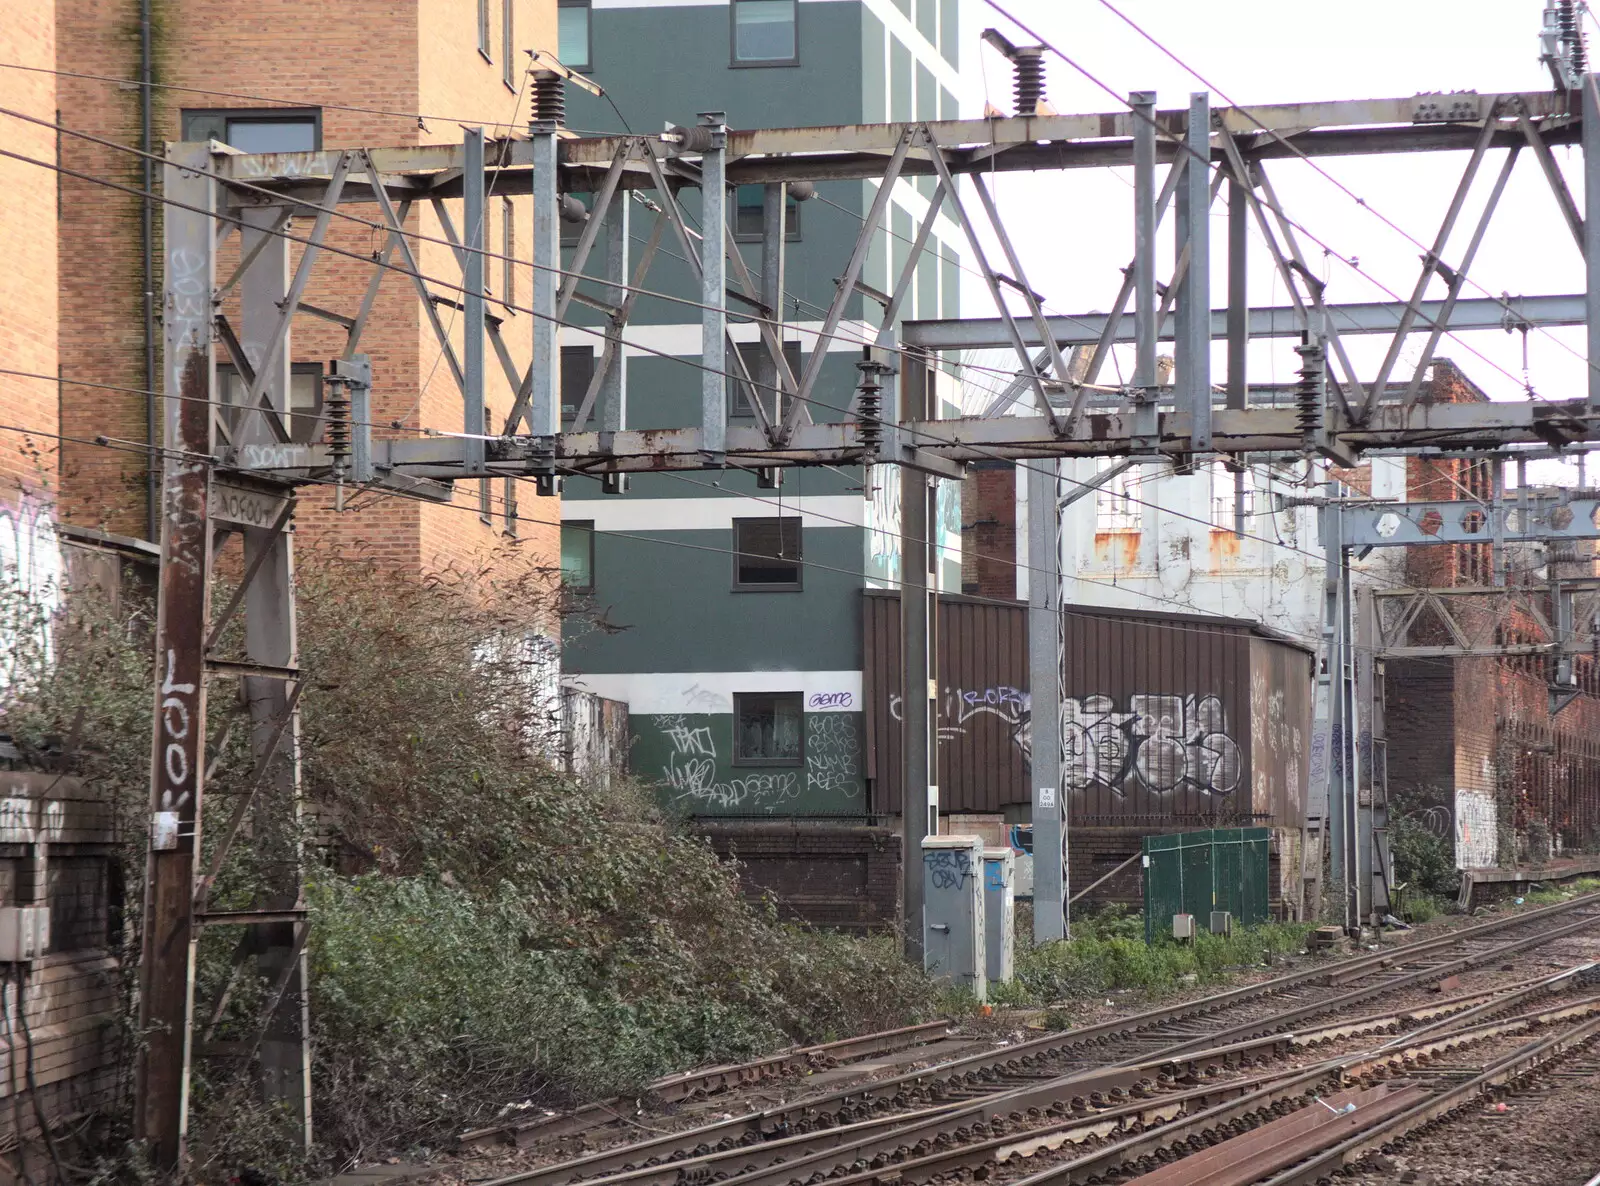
(1161, 744)
(1477, 830)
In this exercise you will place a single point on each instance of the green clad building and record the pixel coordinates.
(728, 615)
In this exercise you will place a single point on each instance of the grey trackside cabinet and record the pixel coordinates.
(999, 898)
(952, 917)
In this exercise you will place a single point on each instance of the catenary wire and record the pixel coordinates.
(460, 288)
(1324, 173)
(1181, 145)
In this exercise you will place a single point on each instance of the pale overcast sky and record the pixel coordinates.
(1077, 226)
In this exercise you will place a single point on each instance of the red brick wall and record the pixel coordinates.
(416, 57)
(833, 875)
(989, 530)
(28, 242)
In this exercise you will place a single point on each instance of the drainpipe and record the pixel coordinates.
(152, 426)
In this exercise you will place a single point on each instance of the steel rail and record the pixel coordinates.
(1524, 1061)
(774, 1163)
(705, 1144)
(708, 1080)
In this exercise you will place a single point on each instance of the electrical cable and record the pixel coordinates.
(382, 226)
(1182, 145)
(1296, 151)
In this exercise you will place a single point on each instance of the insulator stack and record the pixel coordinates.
(1309, 391)
(336, 410)
(869, 407)
(1029, 67)
(1569, 22)
(549, 98)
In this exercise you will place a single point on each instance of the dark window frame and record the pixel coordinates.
(740, 759)
(508, 249)
(798, 584)
(587, 526)
(255, 115)
(754, 354)
(508, 33)
(587, 65)
(791, 219)
(735, 62)
(575, 352)
(313, 418)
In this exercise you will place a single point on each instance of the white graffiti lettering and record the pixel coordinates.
(833, 755)
(691, 771)
(1164, 742)
(1477, 830)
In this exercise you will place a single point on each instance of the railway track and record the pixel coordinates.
(1151, 1066)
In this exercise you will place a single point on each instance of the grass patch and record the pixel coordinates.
(1561, 893)
(1108, 953)
(1421, 908)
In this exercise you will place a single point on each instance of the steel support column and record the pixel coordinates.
(544, 399)
(1591, 228)
(472, 321)
(713, 285)
(1044, 686)
(613, 383)
(166, 973)
(919, 634)
(1144, 264)
(1193, 225)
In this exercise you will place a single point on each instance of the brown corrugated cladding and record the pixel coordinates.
(1158, 716)
(983, 696)
(1157, 719)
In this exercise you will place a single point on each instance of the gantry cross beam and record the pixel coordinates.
(234, 468)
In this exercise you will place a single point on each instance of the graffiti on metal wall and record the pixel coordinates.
(1012, 707)
(948, 868)
(1160, 744)
(1477, 830)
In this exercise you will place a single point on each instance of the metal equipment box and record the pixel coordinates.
(952, 912)
(999, 913)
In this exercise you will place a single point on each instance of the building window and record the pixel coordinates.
(305, 397)
(508, 249)
(1118, 507)
(573, 43)
(261, 129)
(764, 33)
(768, 729)
(483, 30)
(766, 553)
(1223, 489)
(755, 355)
(508, 34)
(577, 555)
(749, 215)
(577, 370)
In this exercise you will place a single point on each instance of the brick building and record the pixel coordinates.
(286, 75)
(28, 302)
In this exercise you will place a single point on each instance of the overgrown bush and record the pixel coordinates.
(1423, 860)
(1108, 958)
(485, 929)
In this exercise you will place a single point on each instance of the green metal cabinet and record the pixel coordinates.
(1198, 872)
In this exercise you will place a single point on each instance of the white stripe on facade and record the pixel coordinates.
(682, 339)
(665, 693)
(714, 514)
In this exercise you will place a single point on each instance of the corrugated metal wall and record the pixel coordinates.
(1156, 719)
(983, 703)
(1160, 718)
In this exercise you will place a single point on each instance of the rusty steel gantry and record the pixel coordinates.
(233, 467)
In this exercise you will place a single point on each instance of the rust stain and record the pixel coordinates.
(1127, 541)
(1224, 547)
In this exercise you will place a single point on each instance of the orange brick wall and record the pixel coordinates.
(28, 246)
(396, 61)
